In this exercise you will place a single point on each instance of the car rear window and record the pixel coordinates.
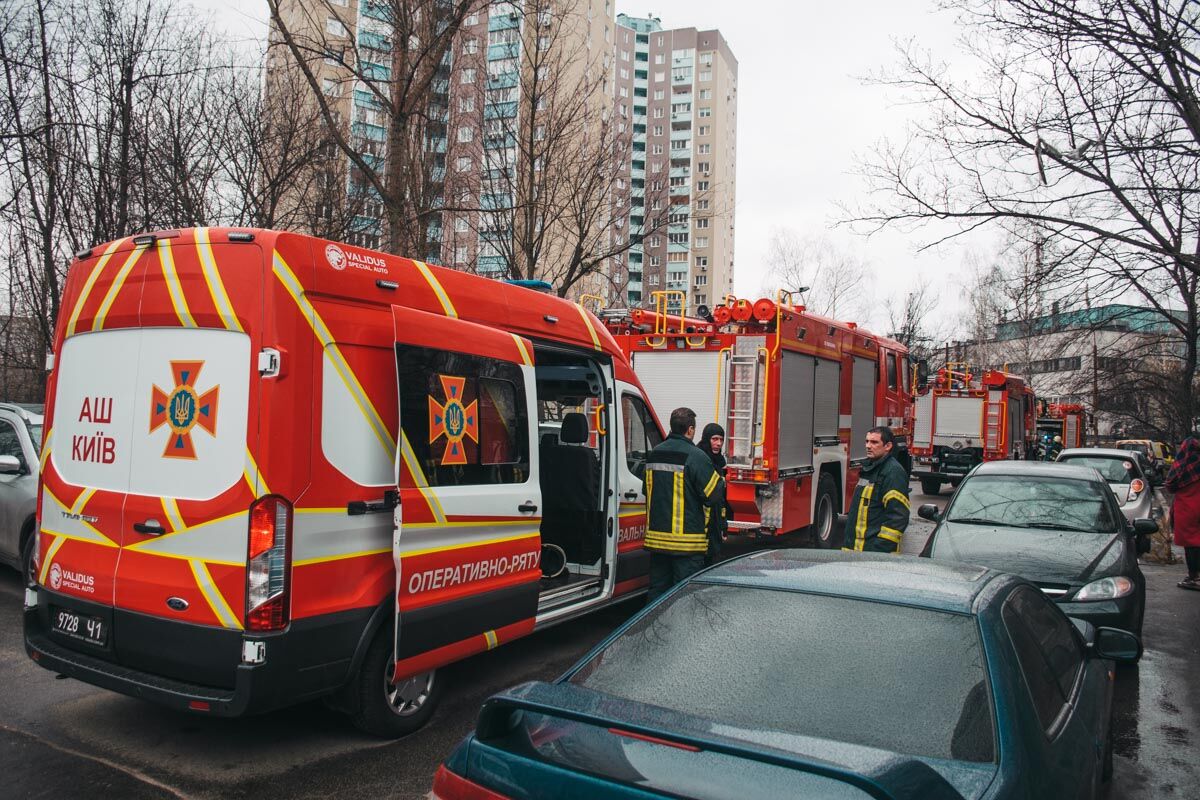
(904, 679)
(1019, 501)
(1114, 470)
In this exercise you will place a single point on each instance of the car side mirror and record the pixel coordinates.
(1116, 645)
(1145, 526)
(929, 511)
(10, 465)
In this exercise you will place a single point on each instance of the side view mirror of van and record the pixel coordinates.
(10, 465)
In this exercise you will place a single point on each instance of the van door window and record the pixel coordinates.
(641, 434)
(10, 444)
(464, 416)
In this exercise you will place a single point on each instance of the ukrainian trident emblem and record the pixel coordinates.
(183, 408)
(455, 419)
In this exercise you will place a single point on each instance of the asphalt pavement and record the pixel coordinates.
(63, 738)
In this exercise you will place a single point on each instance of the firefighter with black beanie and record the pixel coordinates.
(683, 490)
(879, 511)
(712, 440)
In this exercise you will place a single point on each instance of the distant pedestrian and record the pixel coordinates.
(683, 490)
(1056, 447)
(1184, 482)
(879, 511)
(712, 442)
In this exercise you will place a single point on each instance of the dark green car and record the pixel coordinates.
(815, 674)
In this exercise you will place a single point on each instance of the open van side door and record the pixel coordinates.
(467, 544)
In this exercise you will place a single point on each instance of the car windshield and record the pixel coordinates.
(1114, 470)
(35, 433)
(1022, 501)
(828, 667)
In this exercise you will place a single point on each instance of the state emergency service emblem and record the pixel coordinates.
(455, 419)
(183, 408)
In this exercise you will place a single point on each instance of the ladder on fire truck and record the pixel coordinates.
(993, 421)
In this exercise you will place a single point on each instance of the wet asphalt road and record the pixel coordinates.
(62, 738)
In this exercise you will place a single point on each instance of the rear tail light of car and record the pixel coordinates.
(1136, 486)
(1105, 589)
(268, 564)
(449, 785)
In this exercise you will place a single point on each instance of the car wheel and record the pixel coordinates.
(930, 486)
(392, 710)
(27, 543)
(824, 525)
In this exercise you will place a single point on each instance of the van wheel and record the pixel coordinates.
(931, 486)
(392, 710)
(825, 514)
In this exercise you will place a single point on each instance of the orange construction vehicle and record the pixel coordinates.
(964, 418)
(795, 392)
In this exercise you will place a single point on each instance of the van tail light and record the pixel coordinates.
(449, 785)
(268, 564)
(1135, 488)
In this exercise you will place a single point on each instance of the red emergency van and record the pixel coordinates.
(278, 467)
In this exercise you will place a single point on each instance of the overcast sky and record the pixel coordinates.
(804, 116)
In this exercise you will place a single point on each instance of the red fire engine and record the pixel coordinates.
(795, 392)
(1068, 420)
(964, 419)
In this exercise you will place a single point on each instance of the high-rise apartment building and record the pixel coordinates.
(680, 88)
(554, 128)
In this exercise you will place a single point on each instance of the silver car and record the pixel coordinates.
(1125, 475)
(20, 443)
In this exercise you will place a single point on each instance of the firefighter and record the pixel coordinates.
(879, 511)
(712, 441)
(1055, 448)
(683, 490)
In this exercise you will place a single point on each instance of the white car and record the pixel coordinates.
(20, 443)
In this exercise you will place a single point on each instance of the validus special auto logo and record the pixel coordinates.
(183, 408)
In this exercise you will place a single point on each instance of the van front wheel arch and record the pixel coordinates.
(28, 540)
(387, 709)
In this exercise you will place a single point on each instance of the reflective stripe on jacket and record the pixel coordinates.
(682, 491)
(879, 511)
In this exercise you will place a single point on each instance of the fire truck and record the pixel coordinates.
(1068, 420)
(795, 392)
(964, 418)
(278, 468)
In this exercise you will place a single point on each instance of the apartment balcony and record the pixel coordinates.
(678, 248)
(497, 52)
(639, 174)
(500, 22)
(374, 72)
(504, 80)
(681, 116)
(680, 227)
(681, 172)
(500, 110)
(490, 265)
(436, 146)
(682, 61)
(365, 130)
(680, 191)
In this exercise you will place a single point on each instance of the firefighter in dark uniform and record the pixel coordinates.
(683, 490)
(879, 511)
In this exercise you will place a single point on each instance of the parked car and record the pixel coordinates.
(1057, 525)
(1127, 475)
(814, 674)
(20, 443)
(1161, 456)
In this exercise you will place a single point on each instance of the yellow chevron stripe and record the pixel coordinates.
(340, 556)
(254, 477)
(212, 595)
(288, 278)
(51, 552)
(171, 509)
(149, 543)
(521, 347)
(118, 283)
(212, 277)
(89, 284)
(438, 289)
(583, 312)
(45, 450)
(166, 257)
(102, 540)
(414, 467)
(896, 494)
(712, 484)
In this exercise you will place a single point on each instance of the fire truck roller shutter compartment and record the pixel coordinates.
(679, 378)
(797, 375)
(862, 408)
(959, 419)
(923, 432)
(828, 399)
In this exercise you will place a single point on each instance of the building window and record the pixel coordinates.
(704, 112)
(624, 74)
(702, 186)
(624, 92)
(703, 149)
(706, 58)
(466, 134)
(471, 19)
(703, 166)
(470, 47)
(702, 222)
(660, 76)
(466, 104)
(464, 163)
(702, 205)
(701, 241)
(543, 43)
(703, 131)
(461, 225)
(658, 113)
(706, 75)
(331, 87)
(466, 76)
(656, 149)
(660, 58)
(702, 262)
(460, 254)
(659, 94)
(677, 238)
(334, 27)
(624, 55)
(701, 280)
(706, 94)
(656, 166)
(678, 181)
(653, 241)
(658, 129)
(652, 280)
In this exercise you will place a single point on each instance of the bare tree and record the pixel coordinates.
(835, 282)
(1085, 122)
(401, 61)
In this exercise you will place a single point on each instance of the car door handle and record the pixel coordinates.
(151, 526)
(631, 495)
(527, 507)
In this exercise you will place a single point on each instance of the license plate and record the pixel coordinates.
(83, 627)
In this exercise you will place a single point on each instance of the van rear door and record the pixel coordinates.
(467, 543)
